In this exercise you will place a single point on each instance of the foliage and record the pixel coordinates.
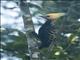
(67, 46)
(14, 44)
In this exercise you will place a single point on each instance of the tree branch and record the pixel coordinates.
(29, 28)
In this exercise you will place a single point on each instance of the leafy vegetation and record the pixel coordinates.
(67, 45)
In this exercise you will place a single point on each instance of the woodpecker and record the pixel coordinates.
(47, 28)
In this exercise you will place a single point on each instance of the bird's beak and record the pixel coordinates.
(53, 16)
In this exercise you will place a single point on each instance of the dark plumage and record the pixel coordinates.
(47, 31)
(44, 33)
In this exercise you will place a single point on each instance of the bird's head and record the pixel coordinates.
(53, 16)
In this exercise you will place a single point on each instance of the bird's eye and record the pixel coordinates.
(47, 16)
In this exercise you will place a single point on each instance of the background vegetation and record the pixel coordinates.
(67, 38)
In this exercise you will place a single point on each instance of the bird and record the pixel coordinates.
(47, 28)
